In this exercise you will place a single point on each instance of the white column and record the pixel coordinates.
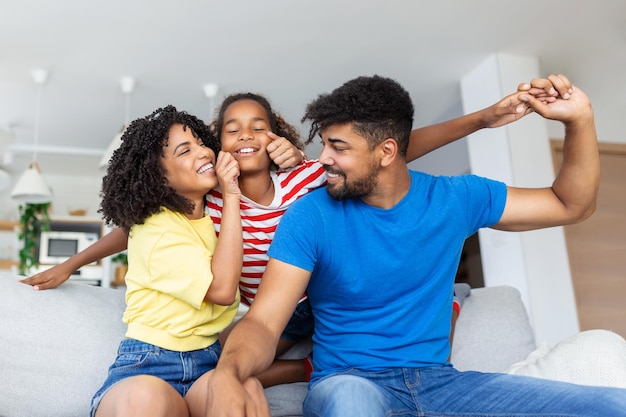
(534, 262)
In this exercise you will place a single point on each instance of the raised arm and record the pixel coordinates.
(228, 255)
(111, 243)
(505, 111)
(572, 197)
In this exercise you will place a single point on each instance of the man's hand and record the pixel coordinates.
(228, 397)
(575, 109)
(513, 107)
(549, 88)
(282, 152)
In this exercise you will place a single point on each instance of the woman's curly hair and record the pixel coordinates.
(135, 186)
(378, 108)
(278, 124)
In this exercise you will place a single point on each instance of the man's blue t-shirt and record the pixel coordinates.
(381, 282)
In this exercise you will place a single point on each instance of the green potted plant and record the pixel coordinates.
(121, 259)
(34, 218)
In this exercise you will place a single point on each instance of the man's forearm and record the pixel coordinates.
(581, 166)
(249, 350)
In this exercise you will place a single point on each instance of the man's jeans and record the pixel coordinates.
(444, 391)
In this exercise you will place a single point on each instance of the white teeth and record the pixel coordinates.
(246, 150)
(204, 168)
(332, 175)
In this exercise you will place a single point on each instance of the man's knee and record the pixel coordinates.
(336, 395)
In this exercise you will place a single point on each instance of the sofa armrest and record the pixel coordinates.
(55, 346)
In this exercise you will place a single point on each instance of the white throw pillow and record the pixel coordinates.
(593, 357)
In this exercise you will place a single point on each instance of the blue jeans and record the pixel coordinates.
(444, 391)
(300, 325)
(179, 369)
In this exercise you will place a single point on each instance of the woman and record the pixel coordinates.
(182, 281)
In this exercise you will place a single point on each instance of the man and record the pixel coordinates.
(377, 254)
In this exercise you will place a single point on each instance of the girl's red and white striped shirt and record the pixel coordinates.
(259, 222)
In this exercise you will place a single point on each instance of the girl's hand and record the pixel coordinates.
(282, 152)
(547, 90)
(544, 90)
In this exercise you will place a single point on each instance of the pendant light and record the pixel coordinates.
(128, 85)
(31, 187)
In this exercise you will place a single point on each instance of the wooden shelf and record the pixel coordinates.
(6, 265)
(8, 225)
(11, 227)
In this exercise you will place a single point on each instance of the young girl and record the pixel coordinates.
(246, 127)
(182, 280)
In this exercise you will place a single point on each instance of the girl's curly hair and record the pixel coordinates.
(278, 125)
(377, 107)
(135, 186)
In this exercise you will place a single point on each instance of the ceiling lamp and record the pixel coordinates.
(128, 85)
(31, 187)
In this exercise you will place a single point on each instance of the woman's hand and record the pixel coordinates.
(227, 171)
(50, 278)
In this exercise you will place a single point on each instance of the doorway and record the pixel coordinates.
(470, 269)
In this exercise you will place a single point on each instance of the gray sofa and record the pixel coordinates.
(56, 345)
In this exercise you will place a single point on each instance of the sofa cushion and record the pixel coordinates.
(55, 346)
(493, 331)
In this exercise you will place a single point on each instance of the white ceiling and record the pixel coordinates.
(289, 51)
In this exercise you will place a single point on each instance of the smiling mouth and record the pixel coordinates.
(331, 174)
(205, 168)
(246, 151)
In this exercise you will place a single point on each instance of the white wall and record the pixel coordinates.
(534, 262)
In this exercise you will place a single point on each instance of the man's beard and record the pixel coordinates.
(353, 189)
